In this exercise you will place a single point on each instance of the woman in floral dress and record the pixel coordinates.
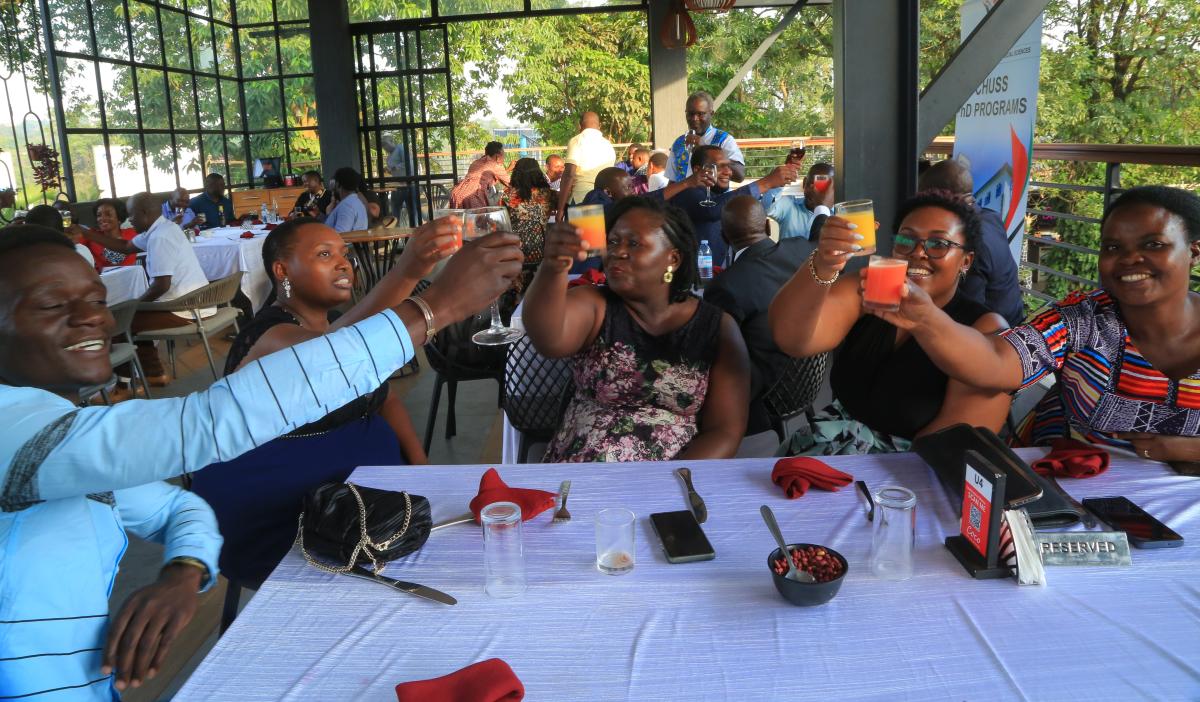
(528, 198)
(659, 374)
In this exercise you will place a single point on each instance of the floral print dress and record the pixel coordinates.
(637, 396)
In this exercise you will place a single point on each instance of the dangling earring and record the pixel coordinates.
(669, 275)
(287, 288)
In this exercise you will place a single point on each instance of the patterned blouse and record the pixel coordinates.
(637, 396)
(1105, 385)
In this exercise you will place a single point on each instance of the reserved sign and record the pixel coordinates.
(1084, 548)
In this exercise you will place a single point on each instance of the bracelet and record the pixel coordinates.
(427, 312)
(812, 268)
(195, 563)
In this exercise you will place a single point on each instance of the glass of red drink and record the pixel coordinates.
(885, 283)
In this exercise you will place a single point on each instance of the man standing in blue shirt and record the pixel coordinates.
(213, 204)
(73, 481)
(350, 212)
(699, 114)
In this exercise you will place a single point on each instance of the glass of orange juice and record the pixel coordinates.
(590, 221)
(861, 213)
(449, 212)
(885, 283)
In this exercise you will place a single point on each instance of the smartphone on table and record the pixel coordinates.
(682, 538)
(1143, 530)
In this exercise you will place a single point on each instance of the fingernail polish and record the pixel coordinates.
(856, 247)
(859, 237)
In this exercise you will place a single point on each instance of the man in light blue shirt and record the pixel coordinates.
(350, 213)
(73, 481)
(177, 202)
(796, 215)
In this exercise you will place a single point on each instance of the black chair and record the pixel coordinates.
(536, 391)
(455, 358)
(795, 390)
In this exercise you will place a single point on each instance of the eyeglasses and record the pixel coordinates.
(935, 247)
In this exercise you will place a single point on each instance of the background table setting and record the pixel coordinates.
(718, 629)
(222, 252)
(124, 283)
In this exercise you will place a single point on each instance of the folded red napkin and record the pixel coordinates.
(486, 681)
(796, 475)
(493, 489)
(247, 235)
(589, 277)
(269, 227)
(1069, 458)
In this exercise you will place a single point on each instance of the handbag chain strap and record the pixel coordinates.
(373, 551)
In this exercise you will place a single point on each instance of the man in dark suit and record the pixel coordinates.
(992, 280)
(745, 290)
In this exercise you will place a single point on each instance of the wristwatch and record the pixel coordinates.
(195, 563)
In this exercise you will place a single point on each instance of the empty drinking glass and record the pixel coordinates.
(895, 532)
(503, 549)
(614, 541)
(480, 222)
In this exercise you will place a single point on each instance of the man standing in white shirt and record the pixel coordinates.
(699, 114)
(172, 267)
(554, 171)
(588, 153)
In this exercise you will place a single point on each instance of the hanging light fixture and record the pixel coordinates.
(709, 5)
(678, 31)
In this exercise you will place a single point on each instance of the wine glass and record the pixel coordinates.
(798, 149)
(708, 201)
(479, 222)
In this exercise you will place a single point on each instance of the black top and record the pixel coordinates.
(269, 316)
(992, 280)
(893, 389)
(695, 342)
(307, 200)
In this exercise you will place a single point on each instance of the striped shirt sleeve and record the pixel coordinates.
(179, 520)
(1043, 342)
(54, 450)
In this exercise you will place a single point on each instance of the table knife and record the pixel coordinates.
(461, 519)
(694, 498)
(411, 588)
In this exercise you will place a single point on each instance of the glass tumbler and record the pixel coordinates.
(895, 532)
(614, 541)
(503, 550)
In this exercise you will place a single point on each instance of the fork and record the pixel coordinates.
(562, 515)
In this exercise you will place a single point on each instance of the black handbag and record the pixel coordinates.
(354, 525)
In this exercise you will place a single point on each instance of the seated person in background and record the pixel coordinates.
(315, 199)
(659, 374)
(471, 191)
(768, 197)
(799, 216)
(688, 193)
(347, 212)
(177, 208)
(109, 215)
(638, 180)
(656, 178)
(374, 204)
(529, 200)
(554, 170)
(270, 177)
(49, 217)
(745, 290)
(72, 480)
(173, 270)
(887, 391)
(992, 280)
(257, 495)
(212, 204)
(1127, 356)
(612, 185)
(632, 163)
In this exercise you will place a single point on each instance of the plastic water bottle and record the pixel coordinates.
(264, 216)
(704, 261)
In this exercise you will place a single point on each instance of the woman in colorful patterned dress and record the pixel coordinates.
(529, 199)
(659, 374)
(1126, 357)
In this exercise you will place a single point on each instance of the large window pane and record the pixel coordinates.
(220, 10)
(296, 53)
(291, 9)
(210, 106)
(160, 157)
(174, 31)
(88, 182)
(300, 102)
(258, 53)
(237, 160)
(232, 105)
(214, 154)
(153, 97)
(203, 57)
(145, 34)
(69, 26)
(471, 7)
(80, 102)
(188, 161)
(305, 150)
(111, 33)
(263, 107)
(374, 10)
(118, 96)
(226, 56)
(254, 12)
(183, 105)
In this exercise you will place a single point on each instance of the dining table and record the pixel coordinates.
(124, 283)
(717, 629)
(223, 251)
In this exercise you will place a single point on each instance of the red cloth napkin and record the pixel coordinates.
(493, 489)
(247, 235)
(1069, 458)
(269, 227)
(486, 681)
(796, 475)
(589, 277)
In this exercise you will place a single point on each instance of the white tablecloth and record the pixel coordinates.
(717, 629)
(124, 283)
(222, 252)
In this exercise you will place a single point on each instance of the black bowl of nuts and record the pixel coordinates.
(828, 568)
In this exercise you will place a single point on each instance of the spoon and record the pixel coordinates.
(800, 576)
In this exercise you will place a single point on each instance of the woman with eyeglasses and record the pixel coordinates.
(886, 389)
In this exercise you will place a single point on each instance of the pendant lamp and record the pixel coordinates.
(709, 5)
(678, 31)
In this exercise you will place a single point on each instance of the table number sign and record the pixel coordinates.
(977, 546)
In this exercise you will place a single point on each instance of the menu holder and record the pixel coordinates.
(977, 546)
